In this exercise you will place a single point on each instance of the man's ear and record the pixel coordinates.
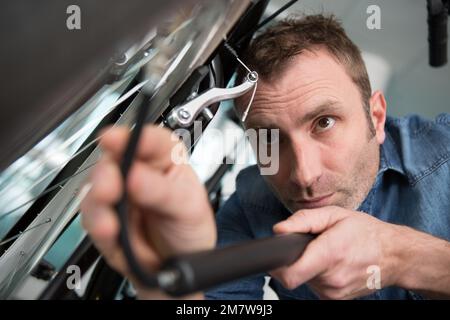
(378, 114)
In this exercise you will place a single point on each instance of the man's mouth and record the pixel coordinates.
(314, 202)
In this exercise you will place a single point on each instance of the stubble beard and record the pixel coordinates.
(352, 191)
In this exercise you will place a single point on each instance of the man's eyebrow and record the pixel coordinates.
(328, 106)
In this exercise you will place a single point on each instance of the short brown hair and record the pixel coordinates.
(269, 52)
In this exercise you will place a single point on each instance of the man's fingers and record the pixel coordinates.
(102, 224)
(157, 146)
(140, 240)
(149, 188)
(312, 263)
(106, 183)
(312, 220)
(155, 149)
(114, 140)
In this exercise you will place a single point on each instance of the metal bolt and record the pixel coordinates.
(192, 95)
(253, 76)
(122, 59)
(184, 114)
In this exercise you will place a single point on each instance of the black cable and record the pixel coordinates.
(146, 279)
(203, 270)
(266, 21)
(275, 14)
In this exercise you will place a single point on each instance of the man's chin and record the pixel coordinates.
(339, 198)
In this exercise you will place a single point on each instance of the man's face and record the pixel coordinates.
(328, 155)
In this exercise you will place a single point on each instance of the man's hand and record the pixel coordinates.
(335, 264)
(168, 207)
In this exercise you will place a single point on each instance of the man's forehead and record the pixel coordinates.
(302, 97)
(312, 81)
(307, 67)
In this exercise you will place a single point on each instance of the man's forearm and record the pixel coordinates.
(425, 264)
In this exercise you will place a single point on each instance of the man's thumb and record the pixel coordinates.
(312, 220)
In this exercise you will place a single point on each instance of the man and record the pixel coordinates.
(374, 189)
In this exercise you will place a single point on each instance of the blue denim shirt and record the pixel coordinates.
(412, 188)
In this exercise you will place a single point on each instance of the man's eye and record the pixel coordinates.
(325, 123)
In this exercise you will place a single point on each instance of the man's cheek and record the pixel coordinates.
(339, 158)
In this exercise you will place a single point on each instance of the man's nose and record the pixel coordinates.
(305, 165)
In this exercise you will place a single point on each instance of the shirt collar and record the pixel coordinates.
(390, 158)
